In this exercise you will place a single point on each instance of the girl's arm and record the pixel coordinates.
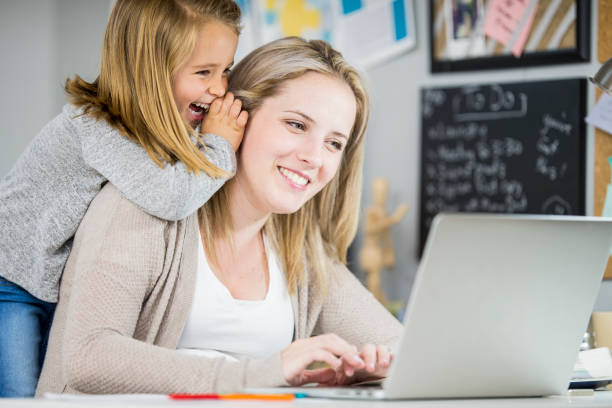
(121, 276)
(170, 192)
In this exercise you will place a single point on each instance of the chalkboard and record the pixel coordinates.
(503, 148)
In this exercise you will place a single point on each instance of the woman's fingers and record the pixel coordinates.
(369, 356)
(328, 348)
(335, 344)
(325, 376)
(341, 357)
(383, 355)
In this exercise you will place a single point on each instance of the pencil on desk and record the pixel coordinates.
(267, 397)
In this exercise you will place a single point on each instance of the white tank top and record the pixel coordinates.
(218, 324)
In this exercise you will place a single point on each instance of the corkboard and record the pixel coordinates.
(565, 21)
(603, 140)
(568, 40)
(604, 36)
(603, 150)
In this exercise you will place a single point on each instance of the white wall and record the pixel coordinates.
(43, 42)
(28, 73)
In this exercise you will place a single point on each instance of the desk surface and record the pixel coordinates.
(599, 399)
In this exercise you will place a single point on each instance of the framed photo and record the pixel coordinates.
(557, 32)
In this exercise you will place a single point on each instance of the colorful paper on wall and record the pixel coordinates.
(367, 32)
(509, 22)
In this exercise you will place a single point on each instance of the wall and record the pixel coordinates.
(29, 75)
(43, 42)
(394, 137)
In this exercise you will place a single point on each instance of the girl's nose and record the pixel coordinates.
(218, 86)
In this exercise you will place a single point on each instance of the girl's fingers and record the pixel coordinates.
(234, 110)
(242, 118)
(228, 100)
(215, 106)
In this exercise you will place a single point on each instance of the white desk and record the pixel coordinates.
(599, 399)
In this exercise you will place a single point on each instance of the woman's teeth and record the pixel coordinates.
(297, 179)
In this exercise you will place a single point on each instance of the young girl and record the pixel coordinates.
(163, 64)
(251, 290)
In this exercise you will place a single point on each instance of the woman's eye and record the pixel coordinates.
(336, 145)
(296, 125)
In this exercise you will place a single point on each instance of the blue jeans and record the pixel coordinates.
(24, 330)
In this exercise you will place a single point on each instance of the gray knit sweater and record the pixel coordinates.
(45, 195)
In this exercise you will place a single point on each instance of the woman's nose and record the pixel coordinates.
(311, 152)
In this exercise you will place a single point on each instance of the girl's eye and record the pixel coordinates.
(227, 71)
(296, 125)
(204, 72)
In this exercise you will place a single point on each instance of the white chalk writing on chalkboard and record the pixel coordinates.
(494, 102)
(547, 145)
(556, 205)
(510, 148)
(432, 99)
(465, 161)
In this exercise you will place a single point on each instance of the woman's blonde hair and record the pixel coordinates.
(145, 43)
(326, 225)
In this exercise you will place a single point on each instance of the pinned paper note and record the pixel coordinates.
(597, 362)
(509, 22)
(601, 114)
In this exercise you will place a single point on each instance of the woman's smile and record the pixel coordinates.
(295, 179)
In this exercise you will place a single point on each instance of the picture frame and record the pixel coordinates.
(560, 34)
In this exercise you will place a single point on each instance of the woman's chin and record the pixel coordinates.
(288, 209)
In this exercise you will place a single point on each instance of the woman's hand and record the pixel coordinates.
(340, 356)
(377, 361)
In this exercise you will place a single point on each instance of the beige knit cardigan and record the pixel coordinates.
(124, 301)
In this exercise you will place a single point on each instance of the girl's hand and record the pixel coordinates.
(226, 118)
(328, 348)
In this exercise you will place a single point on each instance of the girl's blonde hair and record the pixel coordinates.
(145, 43)
(326, 225)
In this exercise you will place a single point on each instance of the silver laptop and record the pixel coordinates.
(498, 308)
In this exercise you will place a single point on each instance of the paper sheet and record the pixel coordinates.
(509, 22)
(601, 114)
(597, 362)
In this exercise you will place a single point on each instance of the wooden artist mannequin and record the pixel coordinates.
(377, 251)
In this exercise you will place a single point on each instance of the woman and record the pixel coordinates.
(256, 279)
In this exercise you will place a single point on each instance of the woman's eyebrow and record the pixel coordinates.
(302, 114)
